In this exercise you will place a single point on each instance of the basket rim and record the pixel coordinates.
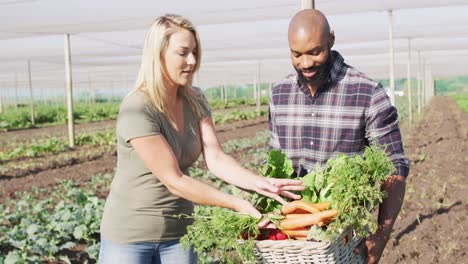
(291, 251)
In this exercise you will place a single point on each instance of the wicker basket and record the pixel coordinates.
(302, 252)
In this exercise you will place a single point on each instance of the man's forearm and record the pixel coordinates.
(394, 186)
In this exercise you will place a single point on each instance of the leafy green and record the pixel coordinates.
(278, 166)
(36, 230)
(352, 185)
(215, 233)
(356, 188)
(319, 186)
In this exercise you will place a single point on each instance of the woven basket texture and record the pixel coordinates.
(305, 252)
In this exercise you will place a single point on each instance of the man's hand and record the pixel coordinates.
(373, 246)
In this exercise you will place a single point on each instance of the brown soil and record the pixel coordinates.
(80, 165)
(433, 226)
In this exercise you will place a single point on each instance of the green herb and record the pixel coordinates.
(352, 184)
(356, 188)
(215, 235)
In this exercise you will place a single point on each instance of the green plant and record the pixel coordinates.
(215, 235)
(462, 101)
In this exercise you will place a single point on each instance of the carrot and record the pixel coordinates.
(322, 205)
(291, 216)
(298, 204)
(325, 221)
(297, 232)
(307, 220)
(300, 211)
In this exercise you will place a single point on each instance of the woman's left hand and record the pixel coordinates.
(273, 188)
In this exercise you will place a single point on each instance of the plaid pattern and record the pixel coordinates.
(346, 114)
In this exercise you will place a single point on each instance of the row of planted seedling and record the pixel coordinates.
(38, 229)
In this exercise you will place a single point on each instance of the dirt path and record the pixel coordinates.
(433, 226)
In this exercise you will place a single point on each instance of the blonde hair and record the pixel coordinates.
(150, 76)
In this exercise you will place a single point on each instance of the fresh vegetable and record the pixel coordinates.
(272, 235)
(263, 234)
(307, 219)
(275, 234)
(341, 195)
(281, 235)
(278, 166)
(297, 232)
(215, 235)
(300, 211)
(324, 222)
(290, 216)
(322, 205)
(302, 205)
(352, 185)
(318, 186)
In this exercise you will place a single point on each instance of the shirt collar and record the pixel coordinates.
(338, 67)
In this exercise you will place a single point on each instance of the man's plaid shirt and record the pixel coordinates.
(345, 115)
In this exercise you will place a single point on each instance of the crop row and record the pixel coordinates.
(37, 229)
(56, 145)
(47, 114)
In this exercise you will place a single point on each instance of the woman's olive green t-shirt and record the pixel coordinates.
(139, 207)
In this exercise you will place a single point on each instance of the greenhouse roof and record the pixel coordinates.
(241, 40)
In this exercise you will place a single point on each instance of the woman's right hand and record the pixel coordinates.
(273, 188)
(244, 207)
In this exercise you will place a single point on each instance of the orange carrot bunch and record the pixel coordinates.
(300, 216)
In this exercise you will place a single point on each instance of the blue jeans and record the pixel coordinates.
(169, 252)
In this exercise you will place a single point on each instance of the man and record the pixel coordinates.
(327, 108)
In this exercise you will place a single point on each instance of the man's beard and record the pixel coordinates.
(322, 72)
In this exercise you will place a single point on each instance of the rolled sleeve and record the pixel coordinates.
(382, 128)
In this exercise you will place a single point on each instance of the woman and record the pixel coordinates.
(163, 126)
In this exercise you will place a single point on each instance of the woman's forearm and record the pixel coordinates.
(201, 193)
(166, 169)
(228, 169)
